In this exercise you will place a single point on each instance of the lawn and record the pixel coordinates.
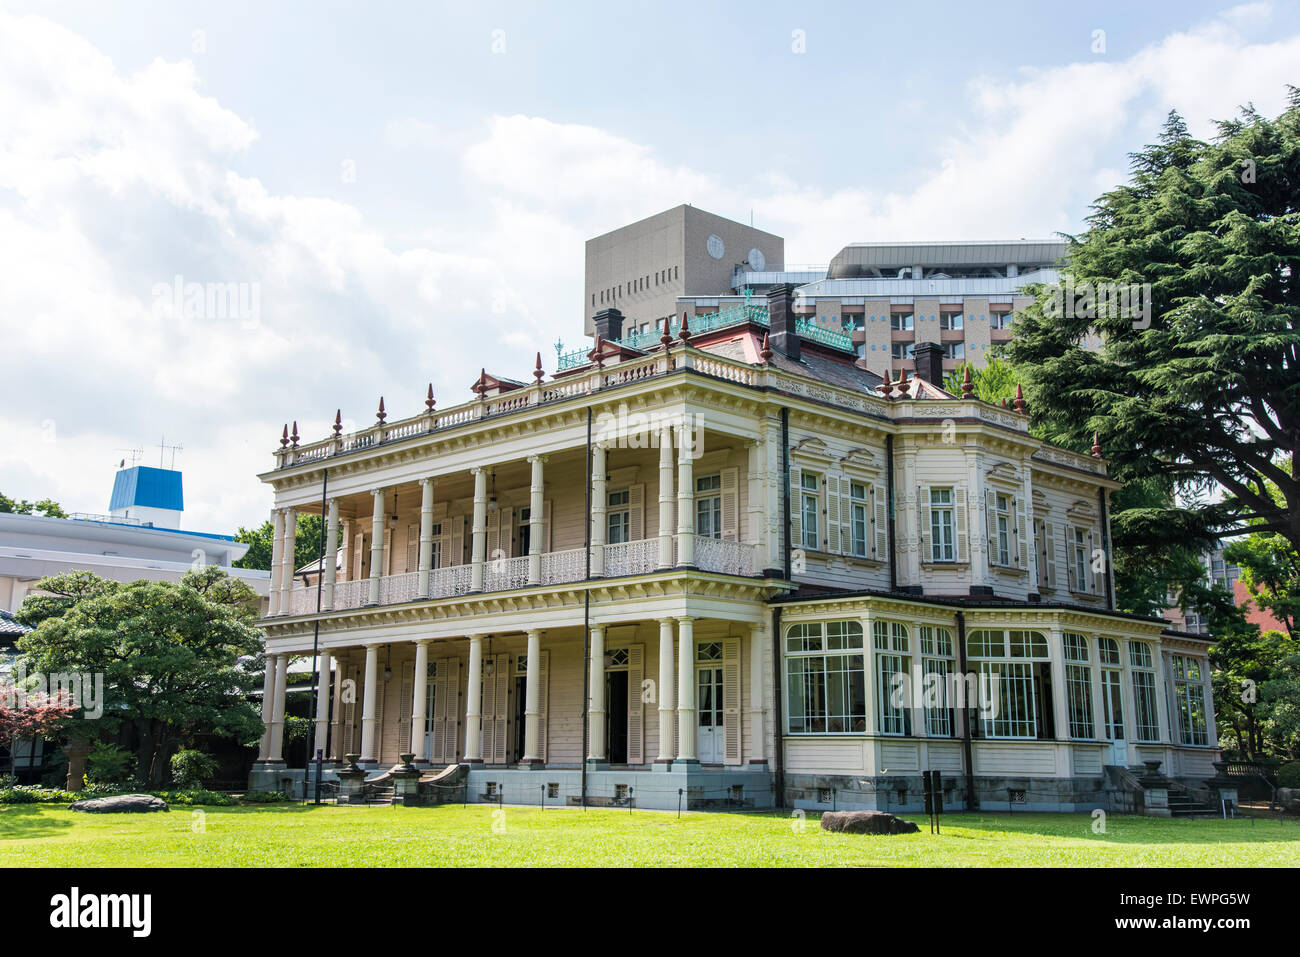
(287, 836)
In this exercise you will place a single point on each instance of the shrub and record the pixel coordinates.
(264, 797)
(196, 796)
(189, 767)
(1288, 775)
(108, 764)
(35, 794)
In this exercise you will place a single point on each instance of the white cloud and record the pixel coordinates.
(114, 183)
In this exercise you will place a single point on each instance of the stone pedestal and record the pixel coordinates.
(406, 782)
(1155, 791)
(76, 750)
(352, 781)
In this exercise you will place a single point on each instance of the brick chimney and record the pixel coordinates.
(929, 362)
(780, 309)
(609, 324)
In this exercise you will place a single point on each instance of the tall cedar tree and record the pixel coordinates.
(1209, 392)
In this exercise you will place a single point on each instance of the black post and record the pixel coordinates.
(315, 637)
(586, 623)
(968, 757)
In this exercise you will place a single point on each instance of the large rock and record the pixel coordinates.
(1289, 798)
(866, 822)
(120, 804)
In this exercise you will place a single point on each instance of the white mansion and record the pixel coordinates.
(724, 565)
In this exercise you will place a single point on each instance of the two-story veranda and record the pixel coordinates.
(638, 565)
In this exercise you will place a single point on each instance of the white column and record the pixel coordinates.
(685, 499)
(666, 696)
(773, 483)
(277, 544)
(686, 689)
(1060, 710)
(376, 545)
(322, 706)
(419, 699)
(329, 560)
(754, 528)
(368, 716)
(275, 753)
(426, 535)
(599, 507)
(286, 557)
(1094, 682)
(337, 749)
(666, 497)
(532, 700)
(759, 636)
(268, 703)
(478, 552)
(474, 703)
(1168, 730)
(596, 701)
(536, 519)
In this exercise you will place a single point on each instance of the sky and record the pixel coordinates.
(399, 193)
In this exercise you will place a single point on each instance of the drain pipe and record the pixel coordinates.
(778, 722)
(889, 501)
(785, 485)
(967, 758)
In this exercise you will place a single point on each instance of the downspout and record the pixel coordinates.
(1105, 545)
(785, 486)
(778, 712)
(586, 625)
(967, 758)
(889, 495)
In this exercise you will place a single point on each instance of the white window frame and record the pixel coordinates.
(618, 513)
(1078, 687)
(859, 518)
(943, 524)
(708, 494)
(891, 642)
(810, 498)
(819, 654)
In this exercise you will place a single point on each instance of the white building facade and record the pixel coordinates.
(706, 571)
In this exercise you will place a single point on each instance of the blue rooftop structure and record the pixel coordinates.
(143, 486)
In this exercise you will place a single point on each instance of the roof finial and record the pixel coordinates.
(538, 374)
(338, 422)
(1004, 402)
(684, 333)
(887, 386)
(1096, 446)
(967, 386)
(429, 402)
(284, 437)
(382, 414)
(667, 337)
(481, 385)
(293, 439)
(766, 351)
(1020, 400)
(597, 352)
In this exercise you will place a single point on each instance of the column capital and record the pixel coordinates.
(428, 480)
(684, 619)
(539, 458)
(480, 470)
(598, 627)
(378, 491)
(530, 632)
(422, 641)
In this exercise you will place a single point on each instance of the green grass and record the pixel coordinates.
(287, 836)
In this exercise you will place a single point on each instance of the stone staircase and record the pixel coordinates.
(1144, 790)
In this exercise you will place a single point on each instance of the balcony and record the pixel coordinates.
(558, 568)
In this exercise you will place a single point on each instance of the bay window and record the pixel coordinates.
(825, 678)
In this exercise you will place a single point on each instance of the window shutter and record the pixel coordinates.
(959, 524)
(412, 547)
(405, 708)
(457, 540)
(636, 512)
(1022, 531)
(731, 735)
(451, 687)
(546, 525)
(834, 520)
(350, 717)
(880, 518)
(358, 563)
(635, 707)
(991, 525)
(381, 694)
(730, 504)
(846, 515)
(1092, 576)
(543, 669)
(488, 711)
(1051, 554)
(493, 534)
(507, 532)
(923, 497)
(796, 509)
